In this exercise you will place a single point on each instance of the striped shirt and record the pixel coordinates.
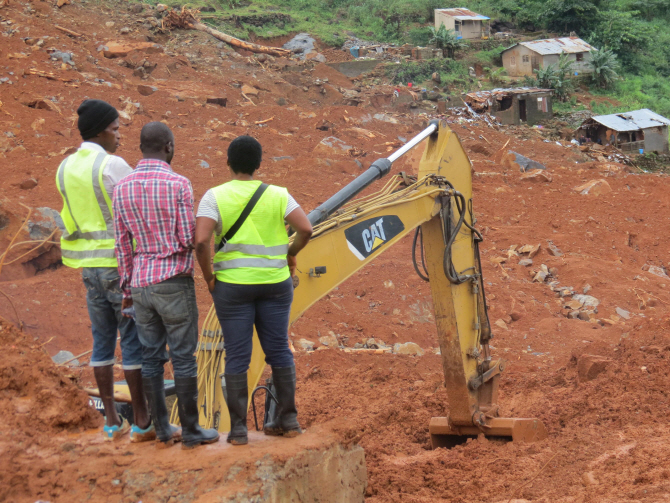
(153, 206)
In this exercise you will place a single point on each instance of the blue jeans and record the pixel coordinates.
(167, 314)
(240, 307)
(103, 299)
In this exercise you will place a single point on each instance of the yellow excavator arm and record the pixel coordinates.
(436, 205)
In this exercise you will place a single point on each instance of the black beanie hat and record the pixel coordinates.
(94, 117)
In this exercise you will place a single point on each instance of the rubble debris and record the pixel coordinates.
(554, 250)
(65, 356)
(329, 340)
(113, 50)
(332, 145)
(222, 102)
(514, 160)
(656, 271)
(594, 187)
(623, 313)
(305, 345)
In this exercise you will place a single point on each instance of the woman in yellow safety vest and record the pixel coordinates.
(250, 280)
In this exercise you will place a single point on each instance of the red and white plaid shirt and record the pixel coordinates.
(154, 206)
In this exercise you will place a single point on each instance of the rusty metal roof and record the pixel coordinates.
(631, 121)
(463, 14)
(501, 93)
(547, 46)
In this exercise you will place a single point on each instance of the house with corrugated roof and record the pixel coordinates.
(635, 131)
(522, 58)
(465, 23)
(520, 105)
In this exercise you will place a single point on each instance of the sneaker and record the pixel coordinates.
(115, 432)
(138, 434)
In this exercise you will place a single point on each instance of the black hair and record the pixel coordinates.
(245, 155)
(154, 137)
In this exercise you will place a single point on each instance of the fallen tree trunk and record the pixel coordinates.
(188, 19)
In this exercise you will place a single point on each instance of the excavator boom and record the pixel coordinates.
(436, 205)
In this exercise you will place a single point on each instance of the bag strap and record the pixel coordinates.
(243, 216)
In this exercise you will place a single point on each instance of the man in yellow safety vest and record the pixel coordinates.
(86, 181)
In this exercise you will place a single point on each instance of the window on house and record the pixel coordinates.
(580, 56)
(457, 26)
(513, 60)
(526, 59)
(542, 104)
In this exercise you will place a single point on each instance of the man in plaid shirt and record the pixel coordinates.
(154, 206)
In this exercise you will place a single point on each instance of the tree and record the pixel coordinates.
(625, 35)
(446, 40)
(565, 16)
(604, 66)
(557, 77)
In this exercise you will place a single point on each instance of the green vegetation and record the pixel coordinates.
(446, 40)
(451, 72)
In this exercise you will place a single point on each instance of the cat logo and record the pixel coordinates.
(368, 236)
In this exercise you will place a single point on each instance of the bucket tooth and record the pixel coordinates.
(444, 434)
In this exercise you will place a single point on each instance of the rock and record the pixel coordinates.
(530, 250)
(145, 90)
(122, 49)
(554, 250)
(136, 8)
(249, 91)
(329, 340)
(517, 161)
(227, 136)
(408, 348)
(281, 102)
(43, 222)
(27, 184)
(385, 118)
(204, 164)
(623, 313)
(140, 72)
(584, 316)
(302, 44)
(526, 262)
(594, 187)
(63, 356)
(541, 276)
(501, 324)
(537, 175)
(124, 31)
(305, 345)
(161, 7)
(655, 270)
(222, 102)
(515, 315)
(573, 315)
(316, 57)
(373, 343)
(109, 24)
(37, 124)
(331, 145)
(586, 300)
(586, 289)
(591, 366)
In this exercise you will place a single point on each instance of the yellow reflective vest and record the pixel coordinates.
(256, 254)
(88, 239)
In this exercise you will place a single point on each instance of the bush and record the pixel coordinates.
(420, 36)
(420, 71)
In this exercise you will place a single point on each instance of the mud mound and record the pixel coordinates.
(36, 395)
(606, 424)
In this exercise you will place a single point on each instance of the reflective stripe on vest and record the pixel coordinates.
(256, 254)
(99, 196)
(88, 238)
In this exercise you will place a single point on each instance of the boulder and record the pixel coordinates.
(591, 366)
(537, 175)
(594, 188)
(331, 145)
(145, 90)
(516, 161)
(329, 340)
(305, 345)
(408, 348)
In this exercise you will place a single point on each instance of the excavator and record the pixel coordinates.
(349, 233)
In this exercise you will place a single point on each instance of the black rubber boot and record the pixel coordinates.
(192, 434)
(154, 388)
(286, 420)
(237, 400)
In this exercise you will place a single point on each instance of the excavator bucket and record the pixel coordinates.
(442, 434)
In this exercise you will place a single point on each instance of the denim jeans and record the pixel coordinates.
(240, 307)
(167, 314)
(103, 299)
